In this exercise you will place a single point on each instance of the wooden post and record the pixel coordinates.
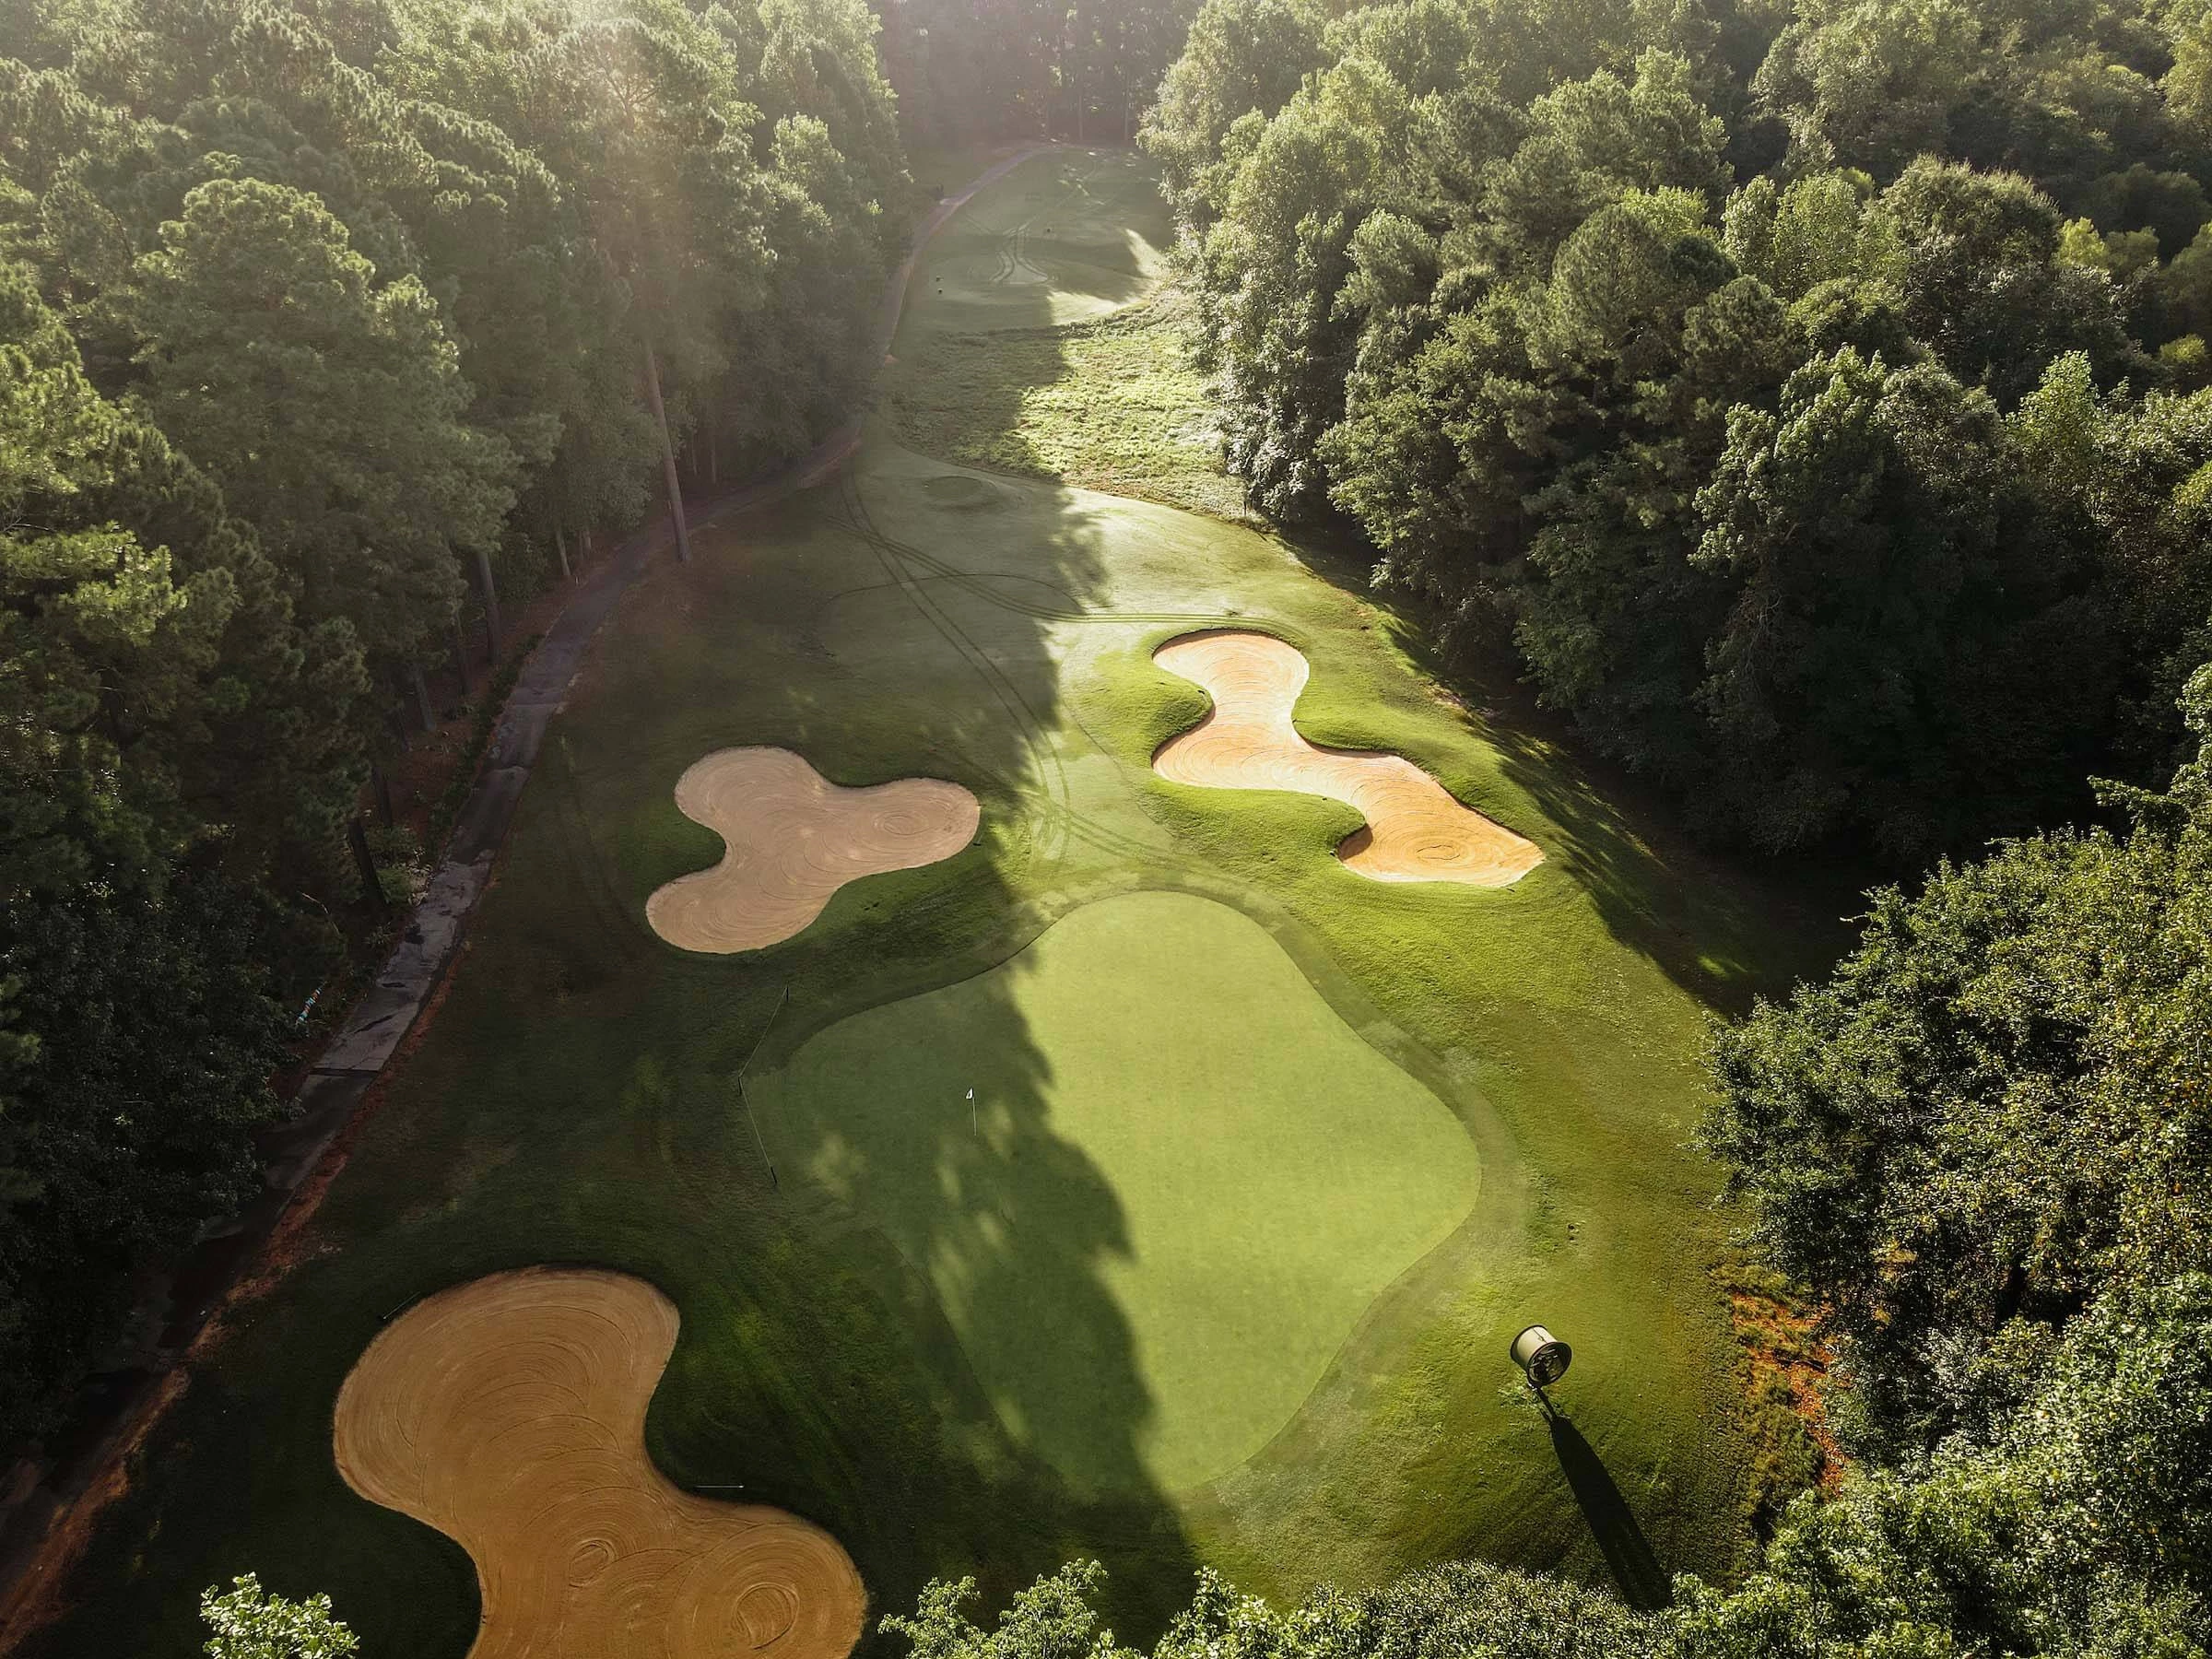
(560, 545)
(422, 697)
(676, 489)
(383, 786)
(461, 656)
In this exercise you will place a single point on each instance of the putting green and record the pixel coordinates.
(1180, 1174)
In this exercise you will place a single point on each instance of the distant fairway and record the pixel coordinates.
(1233, 1176)
(1051, 244)
(1268, 1159)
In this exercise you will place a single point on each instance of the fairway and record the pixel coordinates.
(1266, 1159)
(510, 1414)
(1234, 1176)
(1414, 828)
(1051, 244)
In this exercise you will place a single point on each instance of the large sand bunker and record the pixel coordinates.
(510, 1414)
(1416, 830)
(794, 839)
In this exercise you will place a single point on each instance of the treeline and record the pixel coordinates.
(1814, 398)
(967, 70)
(326, 327)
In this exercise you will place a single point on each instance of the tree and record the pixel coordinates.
(138, 1037)
(1990, 1112)
(1981, 280)
(330, 409)
(248, 1622)
(1590, 142)
(1470, 1608)
(1242, 57)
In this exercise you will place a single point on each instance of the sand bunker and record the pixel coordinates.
(794, 839)
(510, 1414)
(1416, 830)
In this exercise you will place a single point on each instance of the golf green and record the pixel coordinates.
(1144, 1154)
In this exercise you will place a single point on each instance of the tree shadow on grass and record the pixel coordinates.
(1726, 929)
(1063, 229)
(859, 1371)
(1643, 1583)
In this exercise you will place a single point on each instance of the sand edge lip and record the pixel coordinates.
(1416, 830)
(791, 839)
(509, 1414)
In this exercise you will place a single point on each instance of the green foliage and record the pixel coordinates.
(248, 1622)
(1988, 1113)
(328, 409)
(1523, 295)
(1979, 1147)
(1901, 631)
(310, 314)
(1469, 1610)
(154, 679)
(2075, 1527)
(157, 681)
(137, 1036)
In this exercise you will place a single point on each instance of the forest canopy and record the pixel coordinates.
(1814, 400)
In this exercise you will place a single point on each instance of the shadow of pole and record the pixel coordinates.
(1645, 1584)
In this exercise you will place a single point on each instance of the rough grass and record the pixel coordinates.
(1110, 405)
(579, 1097)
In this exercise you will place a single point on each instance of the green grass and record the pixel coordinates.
(1094, 390)
(1062, 238)
(945, 169)
(575, 1100)
(1178, 1172)
(1112, 404)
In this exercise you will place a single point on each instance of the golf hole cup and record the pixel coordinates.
(1541, 1354)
